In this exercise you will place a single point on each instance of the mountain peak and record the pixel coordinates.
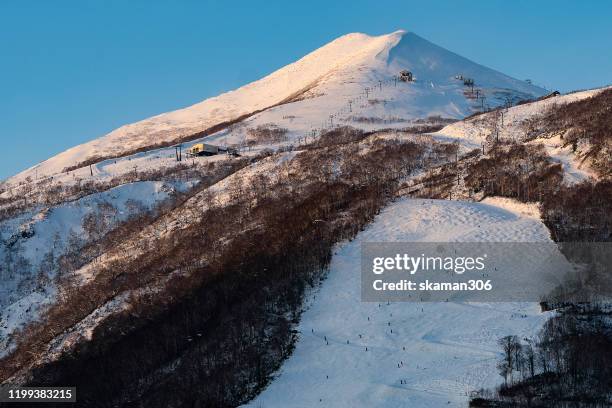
(319, 85)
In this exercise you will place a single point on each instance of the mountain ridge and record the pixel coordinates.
(354, 57)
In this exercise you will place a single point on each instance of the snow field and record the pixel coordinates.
(418, 354)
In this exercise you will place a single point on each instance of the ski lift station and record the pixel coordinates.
(205, 149)
(405, 76)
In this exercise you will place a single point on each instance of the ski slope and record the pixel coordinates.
(348, 81)
(418, 354)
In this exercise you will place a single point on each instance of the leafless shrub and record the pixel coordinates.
(567, 364)
(524, 172)
(589, 123)
(581, 212)
(338, 136)
(376, 120)
(435, 119)
(269, 133)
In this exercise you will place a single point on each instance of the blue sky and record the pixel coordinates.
(71, 71)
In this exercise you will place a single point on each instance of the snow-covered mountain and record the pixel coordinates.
(195, 271)
(350, 80)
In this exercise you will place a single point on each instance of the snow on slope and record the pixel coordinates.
(444, 350)
(260, 94)
(340, 98)
(516, 123)
(574, 171)
(40, 237)
(321, 84)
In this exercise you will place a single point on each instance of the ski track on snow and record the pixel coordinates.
(450, 348)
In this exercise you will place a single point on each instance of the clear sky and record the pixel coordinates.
(71, 71)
